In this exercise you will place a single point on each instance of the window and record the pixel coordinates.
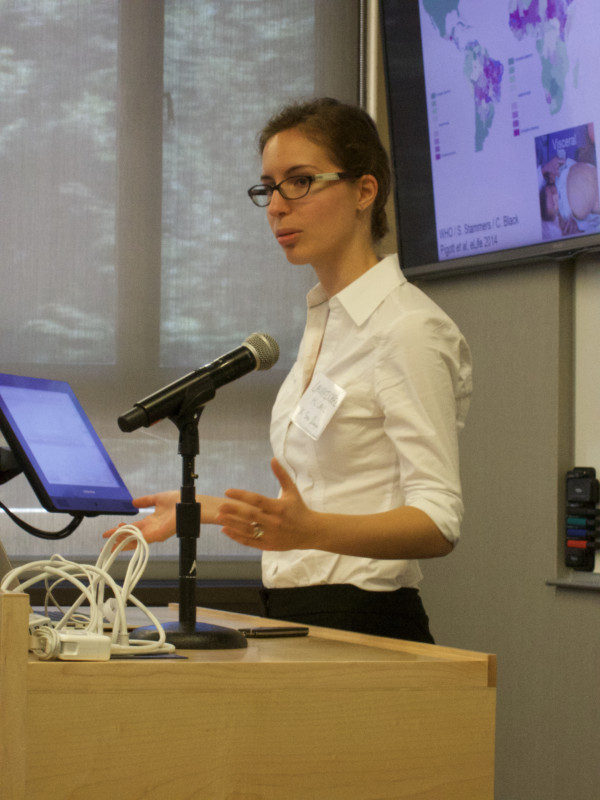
(132, 253)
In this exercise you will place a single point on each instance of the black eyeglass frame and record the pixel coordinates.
(264, 191)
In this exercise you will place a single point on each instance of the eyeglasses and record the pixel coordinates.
(291, 188)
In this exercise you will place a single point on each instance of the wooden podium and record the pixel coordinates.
(330, 716)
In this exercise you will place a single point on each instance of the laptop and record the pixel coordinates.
(57, 448)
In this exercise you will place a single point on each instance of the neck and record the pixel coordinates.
(335, 276)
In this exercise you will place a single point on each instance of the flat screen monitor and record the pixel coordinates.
(55, 444)
(494, 109)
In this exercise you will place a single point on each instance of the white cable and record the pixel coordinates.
(80, 636)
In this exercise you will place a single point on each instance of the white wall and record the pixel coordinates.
(587, 367)
(587, 363)
(493, 593)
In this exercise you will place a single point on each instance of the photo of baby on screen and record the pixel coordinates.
(568, 182)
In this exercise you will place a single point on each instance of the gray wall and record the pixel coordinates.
(491, 593)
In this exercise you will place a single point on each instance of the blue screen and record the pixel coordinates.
(58, 448)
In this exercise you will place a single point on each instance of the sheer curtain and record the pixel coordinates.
(132, 253)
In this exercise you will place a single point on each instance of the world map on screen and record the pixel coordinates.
(546, 22)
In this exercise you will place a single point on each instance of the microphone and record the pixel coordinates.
(259, 351)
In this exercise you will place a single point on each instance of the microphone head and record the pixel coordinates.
(264, 348)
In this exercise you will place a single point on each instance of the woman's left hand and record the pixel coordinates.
(264, 522)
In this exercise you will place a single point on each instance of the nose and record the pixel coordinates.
(278, 205)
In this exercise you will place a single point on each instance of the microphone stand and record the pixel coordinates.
(187, 634)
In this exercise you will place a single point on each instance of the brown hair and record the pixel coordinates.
(350, 136)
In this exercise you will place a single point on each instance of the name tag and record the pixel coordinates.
(318, 405)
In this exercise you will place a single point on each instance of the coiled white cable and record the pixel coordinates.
(92, 581)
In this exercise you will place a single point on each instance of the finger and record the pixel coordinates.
(147, 501)
(249, 502)
(234, 512)
(240, 517)
(243, 538)
(234, 525)
(243, 516)
(282, 476)
(108, 534)
(130, 546)
(243, 496)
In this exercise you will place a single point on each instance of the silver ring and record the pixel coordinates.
(258, 530)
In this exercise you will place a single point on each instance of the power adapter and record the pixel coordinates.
(48, 644)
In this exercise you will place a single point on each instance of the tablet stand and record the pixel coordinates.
(187, 634)
(9, 469)
(9, 466)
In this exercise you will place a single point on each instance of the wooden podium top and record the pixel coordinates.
(332, 715)
(329, 645)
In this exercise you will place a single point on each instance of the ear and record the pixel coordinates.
(368, 188)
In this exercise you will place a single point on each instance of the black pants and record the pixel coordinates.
(399, 614)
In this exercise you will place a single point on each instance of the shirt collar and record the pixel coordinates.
(360, 298)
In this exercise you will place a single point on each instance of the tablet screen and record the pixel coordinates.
(60, 452)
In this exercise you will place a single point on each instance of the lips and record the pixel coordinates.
(287, 236)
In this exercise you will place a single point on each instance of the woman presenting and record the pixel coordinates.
(364, 428)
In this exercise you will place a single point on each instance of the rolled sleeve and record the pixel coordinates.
(423, 381)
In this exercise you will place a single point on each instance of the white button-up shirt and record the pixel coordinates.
(392, 441)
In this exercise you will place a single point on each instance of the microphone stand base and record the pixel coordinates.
(200, 636)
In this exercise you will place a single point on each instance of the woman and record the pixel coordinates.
(364, 428)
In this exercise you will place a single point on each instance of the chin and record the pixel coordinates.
(295, 257)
